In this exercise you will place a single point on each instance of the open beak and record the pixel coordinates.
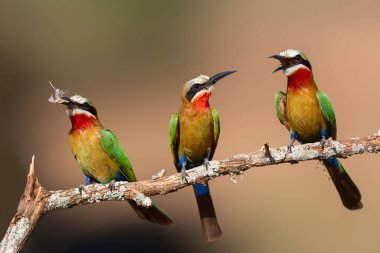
(63, 100)
(215, 78)
(285, 62)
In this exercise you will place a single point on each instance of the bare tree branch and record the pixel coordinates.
(37, 201)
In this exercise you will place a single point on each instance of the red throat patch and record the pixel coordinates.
(201, 102)
(81, 121)
(301, 78)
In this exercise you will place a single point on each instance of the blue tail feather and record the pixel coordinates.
(201, 189)
(335, 162)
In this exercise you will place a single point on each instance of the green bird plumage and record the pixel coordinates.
(308, 114)
(193, 136)
(100, 155)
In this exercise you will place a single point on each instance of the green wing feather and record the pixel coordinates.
(328, 113)
(215, 117)
(173, 137)
(112, 147)
(280, 106)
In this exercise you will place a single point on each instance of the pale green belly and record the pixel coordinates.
(305, 117)
(93, 160)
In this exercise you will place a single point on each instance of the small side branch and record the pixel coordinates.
(36, 201)
(29, 211)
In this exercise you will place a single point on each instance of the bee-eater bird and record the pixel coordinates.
(308, 115)
(193, 136)
(99, 153)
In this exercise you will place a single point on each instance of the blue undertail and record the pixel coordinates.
(87, 179)
(120, 177)
(335, 162)
(200, 189)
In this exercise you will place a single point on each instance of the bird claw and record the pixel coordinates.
(323, 142)
(292, 140)
(290, 146)
(183, 174)
(81, 189)
(206, 164)
(111, 185)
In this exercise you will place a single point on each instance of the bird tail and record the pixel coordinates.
(152, 213)
(348, 191)
(210, 227)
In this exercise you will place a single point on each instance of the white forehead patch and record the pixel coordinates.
(290, 53)
(199, 79)
(79, 99)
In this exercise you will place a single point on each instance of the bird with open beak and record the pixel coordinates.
(308, 114)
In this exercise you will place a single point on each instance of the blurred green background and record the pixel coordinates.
(131, 59)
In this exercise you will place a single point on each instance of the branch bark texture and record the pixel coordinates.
(37, 201)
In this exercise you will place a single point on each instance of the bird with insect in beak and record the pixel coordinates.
(99, 153)
(308, 114)
(193, 136)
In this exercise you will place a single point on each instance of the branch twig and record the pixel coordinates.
(37, 201)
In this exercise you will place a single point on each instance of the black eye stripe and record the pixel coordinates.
(298, 59)
(195, 88)
(86, 107)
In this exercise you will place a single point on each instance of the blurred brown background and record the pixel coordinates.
(131, 59)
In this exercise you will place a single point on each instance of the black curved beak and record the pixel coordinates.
(283, 60)
(57, 98)
(215, 78)
(66, 100)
